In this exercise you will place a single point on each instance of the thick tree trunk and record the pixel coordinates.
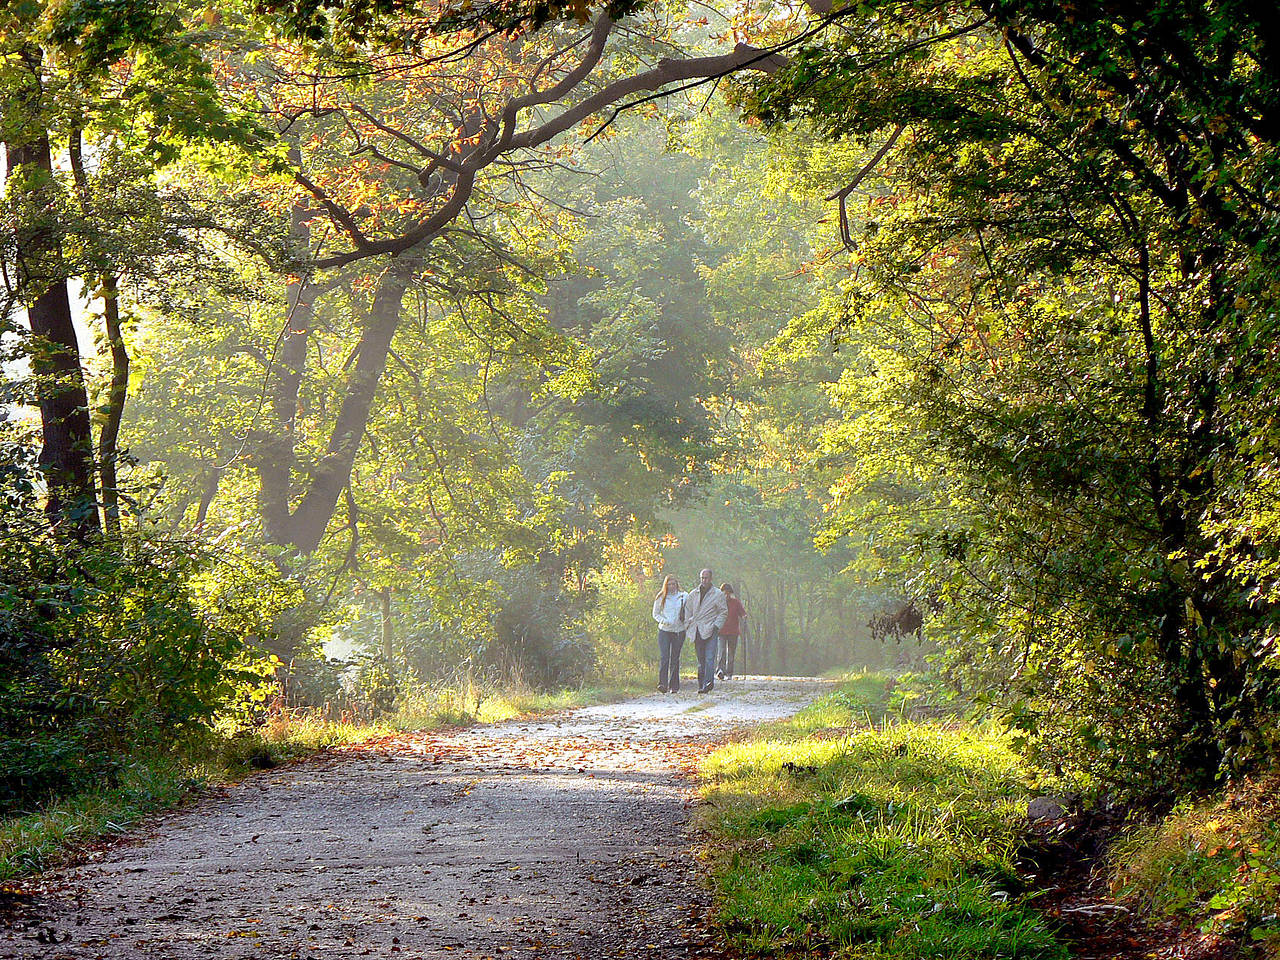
(66, 457)
(303, 526)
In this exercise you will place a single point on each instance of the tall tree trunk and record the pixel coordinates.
(1177, 639)
(113, 412)
(113, 415)
(66, 457)
(277, 449)
(314, 511)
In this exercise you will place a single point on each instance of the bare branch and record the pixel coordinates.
(423, 231)
(439, 158)
(510, 114)
(743, 57)
(340, 215)
(842, 194)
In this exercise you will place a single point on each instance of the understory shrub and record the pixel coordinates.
(1214, 862)
(108, 645)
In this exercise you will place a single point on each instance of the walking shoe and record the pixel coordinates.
(709, 687)
(662, 689)
(719, 674)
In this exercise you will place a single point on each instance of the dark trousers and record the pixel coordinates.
(669, 645)
(705, 647)
(728, 647)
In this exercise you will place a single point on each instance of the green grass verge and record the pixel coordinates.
(32, 842)
(159, 778)
(888, 840)
(1212, 862)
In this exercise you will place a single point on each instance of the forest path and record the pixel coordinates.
(560, 837)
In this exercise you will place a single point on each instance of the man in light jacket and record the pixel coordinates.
(705, 608)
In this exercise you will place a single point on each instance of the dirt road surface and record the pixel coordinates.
(561, 837)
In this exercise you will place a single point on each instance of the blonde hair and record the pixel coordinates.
(666, 587)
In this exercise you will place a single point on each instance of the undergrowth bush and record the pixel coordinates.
(109, 645)
(623, 631)
(1214, 863)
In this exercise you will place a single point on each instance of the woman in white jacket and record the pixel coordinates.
(668, 610)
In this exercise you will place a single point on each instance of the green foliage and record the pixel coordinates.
(107, 645)
(375, 684)
(1037, 400)
(532, 420)
(164, 105)
(450, 507)
(893, 843)
(1053, 415)
(621, 627)
(326, 22)
(637, 301)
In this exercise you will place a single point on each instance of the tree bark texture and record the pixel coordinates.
(113, 415)
(66, 455)
(331, 474)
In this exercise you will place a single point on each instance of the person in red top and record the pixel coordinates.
(729, 633)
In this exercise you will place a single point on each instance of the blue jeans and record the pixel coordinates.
(705, 647)
(669, 644)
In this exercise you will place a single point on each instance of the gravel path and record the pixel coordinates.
(562, 837)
